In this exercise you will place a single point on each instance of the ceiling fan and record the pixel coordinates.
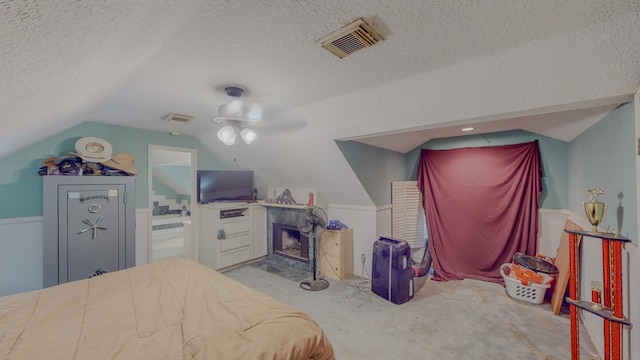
(236, 116)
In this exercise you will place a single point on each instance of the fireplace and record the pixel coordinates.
(285, 244)
(289, 242)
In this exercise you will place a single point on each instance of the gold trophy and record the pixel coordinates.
(594, 209)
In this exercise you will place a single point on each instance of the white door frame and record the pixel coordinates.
(194, 201)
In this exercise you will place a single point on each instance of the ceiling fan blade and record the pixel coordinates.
(277, 125)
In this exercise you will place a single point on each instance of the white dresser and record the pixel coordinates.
(231, 234)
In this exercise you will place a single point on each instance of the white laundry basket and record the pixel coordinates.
(533, 293)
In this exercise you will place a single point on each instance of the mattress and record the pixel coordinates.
(171, 309)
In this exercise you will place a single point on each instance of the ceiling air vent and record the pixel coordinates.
(351, 38)
(175, 118)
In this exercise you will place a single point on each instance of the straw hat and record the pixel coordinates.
(122, 161)
(50, 162)
(93, 149)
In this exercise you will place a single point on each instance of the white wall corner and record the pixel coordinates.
(383, 221)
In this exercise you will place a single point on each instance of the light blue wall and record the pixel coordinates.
(554, 154)
(180, 176)
(375, 168)
(604, 157)
(21, 186)
(161, 188)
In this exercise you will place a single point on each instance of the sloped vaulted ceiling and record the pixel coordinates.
(552, 67)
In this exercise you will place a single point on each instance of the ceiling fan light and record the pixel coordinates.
(227, 135)
(248, 136)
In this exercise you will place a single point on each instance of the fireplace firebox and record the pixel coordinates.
(285, 243)
(290, 243)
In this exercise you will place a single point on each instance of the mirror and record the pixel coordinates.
(172, 202)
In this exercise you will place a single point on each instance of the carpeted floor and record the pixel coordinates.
(465, 319)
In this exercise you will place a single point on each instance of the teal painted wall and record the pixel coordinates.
(162, 189)
(554, 154)
(179, 175)
(374, 167)
(21, 186)
(604, 157)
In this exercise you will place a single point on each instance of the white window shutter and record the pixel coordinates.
(406, 213)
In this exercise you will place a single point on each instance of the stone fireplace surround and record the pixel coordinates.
(285, 215)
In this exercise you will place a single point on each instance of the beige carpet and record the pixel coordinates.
(465, 319)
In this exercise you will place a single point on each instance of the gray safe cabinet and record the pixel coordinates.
(89, 226)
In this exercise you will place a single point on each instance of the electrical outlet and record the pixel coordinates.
(363, 258)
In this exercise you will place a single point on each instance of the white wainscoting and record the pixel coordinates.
(21, 254)
(143, 217)
(383, 221)
(362, 219)
(22, 251)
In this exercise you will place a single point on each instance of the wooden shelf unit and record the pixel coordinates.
(335, 254)
(612, 312)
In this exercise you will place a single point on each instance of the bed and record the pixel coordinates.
(171, 309)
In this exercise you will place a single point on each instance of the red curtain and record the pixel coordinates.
(481, 206)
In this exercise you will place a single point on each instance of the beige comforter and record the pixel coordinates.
(171, 309)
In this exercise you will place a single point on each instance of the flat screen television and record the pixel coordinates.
(225, 185)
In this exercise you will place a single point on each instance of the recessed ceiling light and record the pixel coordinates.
(468, 129)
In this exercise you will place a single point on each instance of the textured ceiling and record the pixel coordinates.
(133, 63)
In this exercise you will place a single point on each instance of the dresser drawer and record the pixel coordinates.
(234, 257)
(330, 243)
(235, 226)
(234, 241)
(335, 268)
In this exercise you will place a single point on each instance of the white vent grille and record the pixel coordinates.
(351, 38)
(175, 118)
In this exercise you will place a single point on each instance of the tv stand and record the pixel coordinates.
(232, 234)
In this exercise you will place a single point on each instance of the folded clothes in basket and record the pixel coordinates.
(529, 292)
(526, 276)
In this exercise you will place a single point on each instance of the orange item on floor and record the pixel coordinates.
(525, 275)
